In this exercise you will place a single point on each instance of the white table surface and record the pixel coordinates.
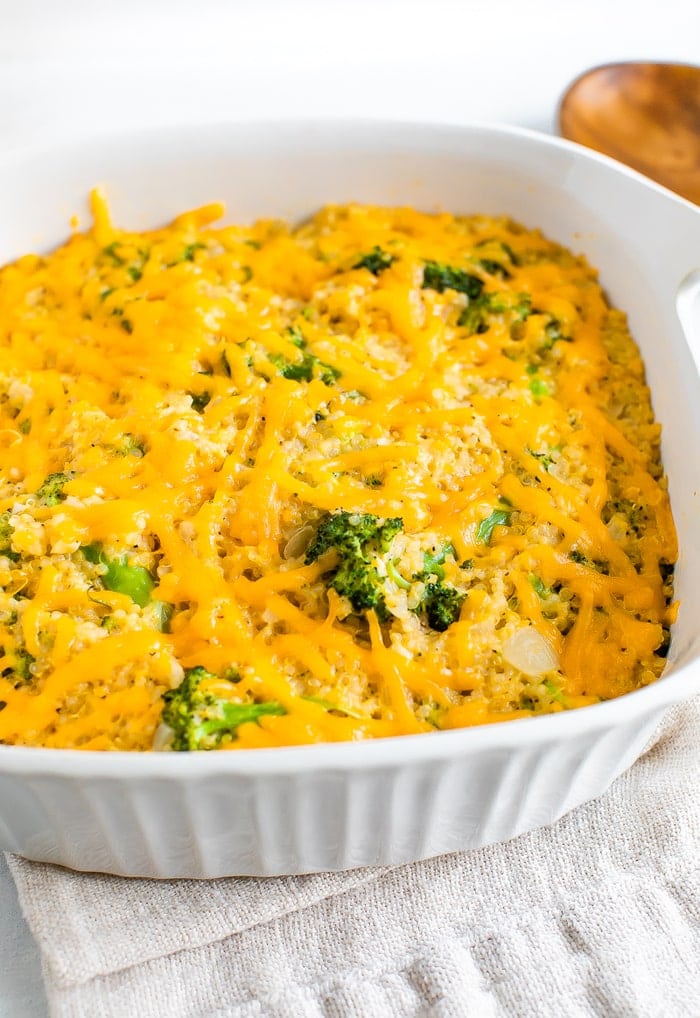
(87, 66)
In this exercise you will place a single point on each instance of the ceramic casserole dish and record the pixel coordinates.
(343, 805)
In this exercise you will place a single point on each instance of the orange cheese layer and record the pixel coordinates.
(192, 402)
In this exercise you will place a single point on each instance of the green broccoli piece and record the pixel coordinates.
(200, 400)
(498, 518)
(51, 491)
(494, 268)
(133, 446)
(555, 692)
(443, 277)
(19, 672)
(200, 720)
(539, 388)
(6, 532)
(162, 614)
(545, 458)
(306, 369)
(633, 513)
(582, 560)
(296, 336)
(189, 252)
(375, 261)
(356, 538)
(498, 256)
(134, 581)
(434, 560)
(301, 371)
(499, 251)
(553, 334)
(475, 317)
(111, 252)
(327, 373)
(327, 705)
(441, 605)
(393, 574)
(523, 308)
(539, 586)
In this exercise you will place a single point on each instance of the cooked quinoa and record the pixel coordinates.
(386, 472)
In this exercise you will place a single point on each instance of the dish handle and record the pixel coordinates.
(688, 310)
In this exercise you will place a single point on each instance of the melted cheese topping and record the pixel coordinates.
(208, 396)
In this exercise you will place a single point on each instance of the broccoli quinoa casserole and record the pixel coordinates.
(384, 473)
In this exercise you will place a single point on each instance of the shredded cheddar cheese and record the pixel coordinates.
(387, 472)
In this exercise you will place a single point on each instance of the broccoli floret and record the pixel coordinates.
(443, 277)
(306, 369)
(475, 317)
(51, 491)
(356, 538)
(201, 720)
(441, 605)
(301, 371)
(375, 261)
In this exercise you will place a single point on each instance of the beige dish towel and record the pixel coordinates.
(597, 915)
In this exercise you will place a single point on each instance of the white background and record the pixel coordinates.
(85, 67)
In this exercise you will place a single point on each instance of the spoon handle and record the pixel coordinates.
(645, 115)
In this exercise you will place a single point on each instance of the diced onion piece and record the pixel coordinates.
(528, 651)
(298, 542)
(162, 738)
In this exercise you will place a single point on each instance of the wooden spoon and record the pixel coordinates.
(645, 115)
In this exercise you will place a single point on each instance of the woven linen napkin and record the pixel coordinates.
(597, 915)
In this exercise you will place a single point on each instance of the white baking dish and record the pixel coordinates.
(337, 806)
